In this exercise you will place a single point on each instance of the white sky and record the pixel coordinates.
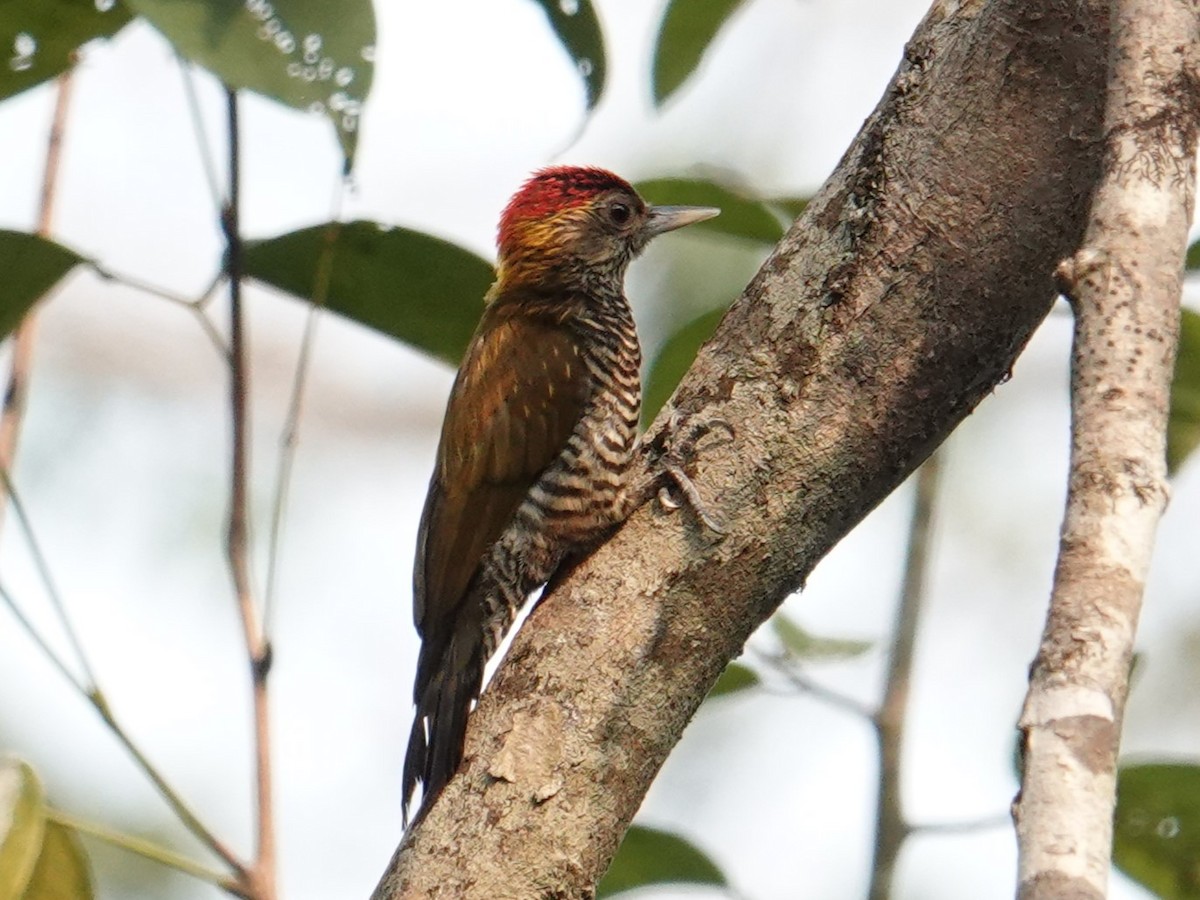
(123, 463)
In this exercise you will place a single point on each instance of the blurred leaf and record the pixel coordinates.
(578, 28)
(1137, 663)
(791, 208)
(1192, 261)
(412, 286)
(62, 871)
(674, 358)
(803, 645)
(1183, 423)
(307, 54)
(649, 856)
(40, 36)
(29, 267)
(740, 217)
(735, 678)
(687, 29)
(1156, 835)
(22, 824)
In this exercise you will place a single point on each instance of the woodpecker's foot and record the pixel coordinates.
(672, 456)
(712, 521)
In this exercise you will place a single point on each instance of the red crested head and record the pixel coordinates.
(551, 191)
(576, 229)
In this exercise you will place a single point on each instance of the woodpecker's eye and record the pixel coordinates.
(620, 213)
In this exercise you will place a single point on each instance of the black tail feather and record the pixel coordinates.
(435, 744)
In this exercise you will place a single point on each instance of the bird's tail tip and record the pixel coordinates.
(435, 744)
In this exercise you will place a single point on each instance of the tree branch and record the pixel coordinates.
(891, 828)
(261, 874)
(16, 394)
(894, 305)
(1124, 285)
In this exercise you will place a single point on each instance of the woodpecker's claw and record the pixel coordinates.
(712, 522)
(665, 500)
(670, 464)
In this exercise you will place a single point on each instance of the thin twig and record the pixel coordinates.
(1000, 820)
(54, 145)
(197, 306)
(206, 158)
(142, 847)
(42, 565)
(181, 809)
(36, 636)
(144, 286)
(288, 440)
(891, 828)
(96, 698)
(802, 682)
(16, 394)
(262, 874)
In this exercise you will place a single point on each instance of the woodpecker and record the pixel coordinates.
(539, 440)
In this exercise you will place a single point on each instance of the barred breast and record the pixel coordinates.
(582, 493)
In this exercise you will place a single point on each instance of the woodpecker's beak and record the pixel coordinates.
(668, 218)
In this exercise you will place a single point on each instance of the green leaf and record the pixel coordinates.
(649, 856)
(735, 678)
(740, 216)
(687, 29)
(22, 825)
(1183, 423)
(1156, 835)
(411, 286)
(578, 28)
(1192, 261)
(307, 54)
(674, 358)
(40, 37)
(803, 645)
(29, 267)
(62, 871)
